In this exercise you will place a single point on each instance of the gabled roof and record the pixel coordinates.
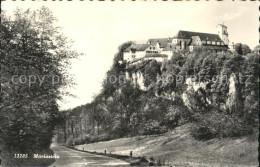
(203, 36)
(137, 47)
(155, 55)
(162, 41)
(169, 47)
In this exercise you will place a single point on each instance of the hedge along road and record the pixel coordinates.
(73, 158)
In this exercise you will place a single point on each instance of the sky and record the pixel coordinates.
(98, 28)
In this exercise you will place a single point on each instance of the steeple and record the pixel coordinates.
(222, 32)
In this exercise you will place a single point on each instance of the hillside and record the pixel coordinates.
(204, 105)
(179, 148)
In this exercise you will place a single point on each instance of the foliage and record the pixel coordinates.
(218, 124)
(176, 116)
(115, 76)
(154, 127)
(257, 49)
(34, 48)
(151, 71)
(192, 87)
(242, 49)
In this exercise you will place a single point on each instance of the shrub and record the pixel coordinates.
(173, 117)
(154, 127)
(201, 132)
(104, 137)
(69, 141)
(242, 49)
(151, 71)
(80, 140)
(220, 124)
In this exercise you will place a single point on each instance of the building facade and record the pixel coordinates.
(161, 48)
(136, 52)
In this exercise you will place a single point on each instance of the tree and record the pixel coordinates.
(152, 69)
(242, 49)
(36, 51)
(257, 49)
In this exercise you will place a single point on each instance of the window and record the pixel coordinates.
(213, 43)
(153, 48)
(150, 47)
(218, 43)
(208, 42)
(133, 56)
(222, 43)
(191, 48)
(204, 42)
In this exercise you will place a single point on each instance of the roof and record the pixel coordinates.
(148, 55)
(135, 60)
(225, 47)
(203, 36)
(169, 47)
(162, 41)
(154, 55)
(138, 47)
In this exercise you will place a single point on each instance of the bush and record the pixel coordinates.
(104, 137)
(201, 133)
(177, 115)
(154, 127)
(69, 141)
(220, 124)
(80, 140)
(89, 139)
(151, 71)
(173, 117)
(242, 49)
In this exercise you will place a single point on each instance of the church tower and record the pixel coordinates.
(223, 34)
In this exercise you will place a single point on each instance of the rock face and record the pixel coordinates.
(231, 101)
(195, 85)
(138, 79)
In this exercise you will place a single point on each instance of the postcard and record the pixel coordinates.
(129, 83)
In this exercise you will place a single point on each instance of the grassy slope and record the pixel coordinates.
(178, 147)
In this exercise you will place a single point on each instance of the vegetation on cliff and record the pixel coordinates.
(217, 92)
